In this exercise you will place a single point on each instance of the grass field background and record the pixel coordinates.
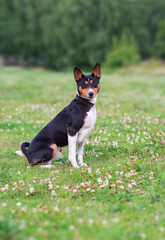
(121, 193)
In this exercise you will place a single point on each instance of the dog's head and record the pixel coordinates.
(88, 86)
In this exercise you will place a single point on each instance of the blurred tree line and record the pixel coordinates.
(64, 33)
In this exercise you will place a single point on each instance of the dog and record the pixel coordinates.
(70, 127)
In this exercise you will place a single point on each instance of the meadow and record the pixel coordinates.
(121, 194)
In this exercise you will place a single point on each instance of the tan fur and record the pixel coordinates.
(77, 74)
(55, 149)
(84, 92)
(97, 71)
(96, 90)
(37, 165)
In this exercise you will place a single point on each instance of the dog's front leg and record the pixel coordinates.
(72, 150)
(80, 154)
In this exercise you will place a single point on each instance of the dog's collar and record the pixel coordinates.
(83, 100)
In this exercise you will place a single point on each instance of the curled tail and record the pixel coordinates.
(23, 146)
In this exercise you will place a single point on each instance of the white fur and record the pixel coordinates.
(72, 150)
(80, 154)
(89, 123)
(84, 132)
(79, 138)
(91, 100)
(20, 153)
(47, 166)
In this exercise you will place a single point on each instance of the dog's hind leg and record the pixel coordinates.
(43, 156)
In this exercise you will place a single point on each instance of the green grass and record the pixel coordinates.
(121, 195)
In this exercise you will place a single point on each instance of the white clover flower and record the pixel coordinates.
(99, 180)
(90, 221)
(114, 144)
(82, 184)
(50, 187)
(136, 139)
(109, 176)
(56, 209)
(98, 171)
(89, 170)
(133, 183)
(53, 193)
(31, 190)
(21, 182)
(130, 186)
(151, 178)
(71, 227)
(119, 182)
(23, 209)
(3, 189)
(80, 220)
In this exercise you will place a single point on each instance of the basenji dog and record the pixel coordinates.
(70, 127)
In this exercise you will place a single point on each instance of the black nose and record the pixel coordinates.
(91, 94)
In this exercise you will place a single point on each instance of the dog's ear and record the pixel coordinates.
(77, 74)
(97, 70)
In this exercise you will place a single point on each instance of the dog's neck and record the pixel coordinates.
(84, 100)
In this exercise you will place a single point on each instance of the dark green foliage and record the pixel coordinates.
(123, 52)
(60, 34)
(160, 40)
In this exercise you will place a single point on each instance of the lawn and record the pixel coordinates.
(120, 195)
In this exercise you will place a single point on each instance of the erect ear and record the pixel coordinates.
(97, 70)
(77, 74)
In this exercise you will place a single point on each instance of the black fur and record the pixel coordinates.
(84, 78)
(69, 121)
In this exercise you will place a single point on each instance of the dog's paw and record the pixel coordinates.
(76, 166)
(46, 166)
(58, 155)
(57, 163)
(74, 163)
(83, 164)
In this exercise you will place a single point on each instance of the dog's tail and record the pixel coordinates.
(23, 146)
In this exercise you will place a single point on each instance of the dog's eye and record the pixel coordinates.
(94, 85)
(84, 84)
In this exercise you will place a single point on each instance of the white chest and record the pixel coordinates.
(89, 123)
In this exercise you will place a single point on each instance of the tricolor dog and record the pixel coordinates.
(70, 127)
